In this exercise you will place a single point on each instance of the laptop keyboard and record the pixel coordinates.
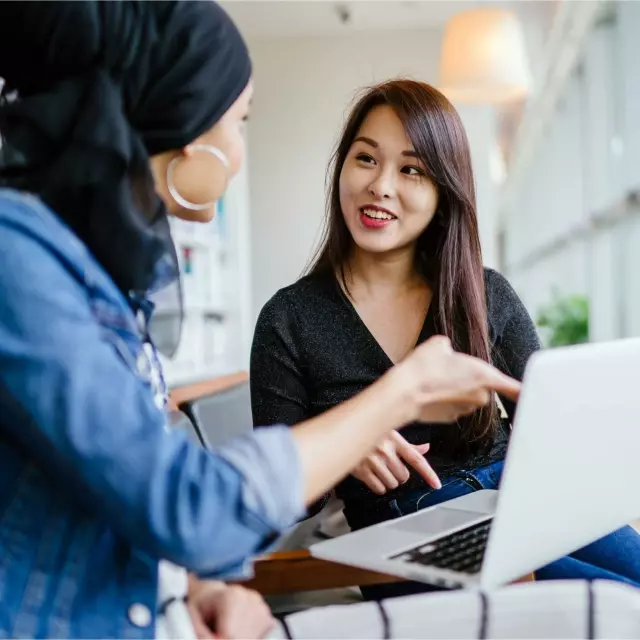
(461, 551)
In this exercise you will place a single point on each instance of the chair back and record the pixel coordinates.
(219, 409)
(180, 421)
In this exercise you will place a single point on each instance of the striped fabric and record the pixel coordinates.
(563, 609)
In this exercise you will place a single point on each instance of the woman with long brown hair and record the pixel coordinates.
(401, 261)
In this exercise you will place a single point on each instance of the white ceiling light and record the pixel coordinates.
(484, 59)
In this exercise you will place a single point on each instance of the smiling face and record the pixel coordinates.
(386, 198)
(400, 116)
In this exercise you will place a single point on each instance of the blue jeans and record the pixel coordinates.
(614, 557)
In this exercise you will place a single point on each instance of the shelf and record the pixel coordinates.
(213, 260)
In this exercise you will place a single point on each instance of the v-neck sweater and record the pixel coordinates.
(311, 351)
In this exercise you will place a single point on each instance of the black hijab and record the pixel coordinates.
(100, 87)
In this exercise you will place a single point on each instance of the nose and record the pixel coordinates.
(383, 186)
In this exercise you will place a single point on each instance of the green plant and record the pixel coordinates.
(565, 320)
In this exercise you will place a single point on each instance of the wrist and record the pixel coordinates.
(193, 583)
(197, 587)
(397, 387)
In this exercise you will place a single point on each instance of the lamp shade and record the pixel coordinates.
(484, 58)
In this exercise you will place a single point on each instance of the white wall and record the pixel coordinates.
(480, 125)
(303, 88)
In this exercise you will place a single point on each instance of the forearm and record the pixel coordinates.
(434, 384)
(333, 443)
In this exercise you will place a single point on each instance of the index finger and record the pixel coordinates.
(497, 381)
(420, 464)
(426, 471)
(507, 386)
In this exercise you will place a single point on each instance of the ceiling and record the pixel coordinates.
(295, 18)
(307, 18)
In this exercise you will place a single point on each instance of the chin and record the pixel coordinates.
(202, 216)
(375, 245)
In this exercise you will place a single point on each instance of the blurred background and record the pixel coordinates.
(549, 92)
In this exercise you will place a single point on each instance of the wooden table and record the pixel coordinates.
(206, 388)
(294, 571)
(291, 571)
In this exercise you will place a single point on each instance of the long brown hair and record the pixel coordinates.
(448, 253)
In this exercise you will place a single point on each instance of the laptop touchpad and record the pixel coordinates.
(435, 521)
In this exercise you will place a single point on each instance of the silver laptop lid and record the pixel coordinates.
(573, 467)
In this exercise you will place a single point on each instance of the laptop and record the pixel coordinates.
(571, 476)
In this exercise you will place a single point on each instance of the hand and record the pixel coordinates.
(227, 611)
(443, 385)
(384, 468)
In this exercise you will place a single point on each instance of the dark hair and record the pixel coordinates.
(101, 87)
(448, 252)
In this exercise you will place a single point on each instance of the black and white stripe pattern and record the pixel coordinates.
(560, 609)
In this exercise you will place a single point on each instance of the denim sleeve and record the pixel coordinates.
(68, 399)
(269, 464)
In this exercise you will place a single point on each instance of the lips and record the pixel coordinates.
(373, 217)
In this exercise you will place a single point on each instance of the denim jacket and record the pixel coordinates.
(94, 489)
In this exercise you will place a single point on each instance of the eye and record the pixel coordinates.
(413, 171)
(366, 158)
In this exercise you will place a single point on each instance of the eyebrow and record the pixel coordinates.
(375, 145)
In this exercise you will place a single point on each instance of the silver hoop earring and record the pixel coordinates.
(183, 202)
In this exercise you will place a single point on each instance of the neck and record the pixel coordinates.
(392, 271)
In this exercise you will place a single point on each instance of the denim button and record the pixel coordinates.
(143, 367)
(141, 319)
(140, 615)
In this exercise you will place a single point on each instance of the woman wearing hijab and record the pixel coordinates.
(114, 116)
(117, 114)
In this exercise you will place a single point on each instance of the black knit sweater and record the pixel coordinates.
(312, 351)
